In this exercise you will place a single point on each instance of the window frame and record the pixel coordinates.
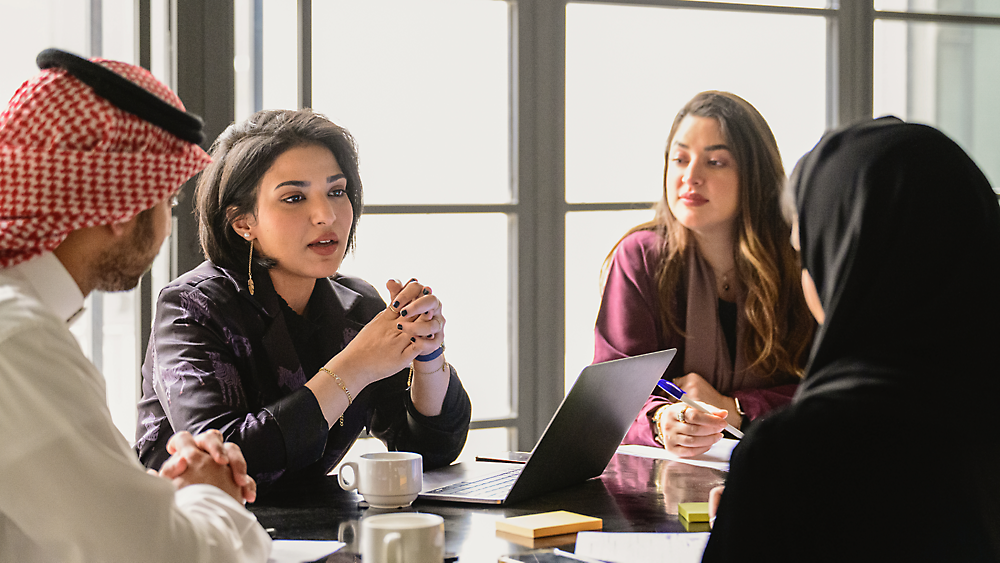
(202, 53)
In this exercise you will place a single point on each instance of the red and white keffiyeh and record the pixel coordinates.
(69, 159)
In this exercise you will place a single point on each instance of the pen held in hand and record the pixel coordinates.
(679, 394)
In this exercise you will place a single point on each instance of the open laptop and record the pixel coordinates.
(577, 445)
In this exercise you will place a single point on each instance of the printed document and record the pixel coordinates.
(715, 458)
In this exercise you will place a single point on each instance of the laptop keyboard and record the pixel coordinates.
(493, 486)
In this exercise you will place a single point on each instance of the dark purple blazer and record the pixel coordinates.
(221, 358)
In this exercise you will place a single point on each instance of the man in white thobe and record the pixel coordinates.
(91, 155)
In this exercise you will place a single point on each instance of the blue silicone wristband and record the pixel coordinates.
(431, 356)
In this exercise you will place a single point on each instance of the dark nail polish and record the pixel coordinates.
(400, 327)
(412, 280)
(395, 303)
(403, 312)
(412, 339)
(427, 291)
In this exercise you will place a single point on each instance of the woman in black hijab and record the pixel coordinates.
(888, 451)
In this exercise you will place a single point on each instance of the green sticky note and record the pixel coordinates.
(693, 511)
(695, 526)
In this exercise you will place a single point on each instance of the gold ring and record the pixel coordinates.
(390, 307)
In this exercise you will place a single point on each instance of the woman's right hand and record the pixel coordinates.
(378, 351)
(383, 347)
(691, 433)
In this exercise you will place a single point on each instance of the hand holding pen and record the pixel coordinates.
(678, 394)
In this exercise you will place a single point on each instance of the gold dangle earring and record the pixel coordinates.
(250, 265)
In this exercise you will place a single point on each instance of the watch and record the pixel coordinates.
(739, 409)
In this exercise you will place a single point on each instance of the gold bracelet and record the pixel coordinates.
(657, 415)
(409, 381)
(340, 382)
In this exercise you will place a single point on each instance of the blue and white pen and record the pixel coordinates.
(679, 394)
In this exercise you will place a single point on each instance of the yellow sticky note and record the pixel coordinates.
(693, 511)
(548, 524)
(539, 543)
(695, 526)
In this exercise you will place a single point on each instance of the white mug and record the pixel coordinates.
(386, 479)
(406, 537)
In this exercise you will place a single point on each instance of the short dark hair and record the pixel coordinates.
(242, 155)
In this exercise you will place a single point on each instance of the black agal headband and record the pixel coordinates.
(126, 95)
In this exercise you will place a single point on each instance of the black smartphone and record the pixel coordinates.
(544, 557)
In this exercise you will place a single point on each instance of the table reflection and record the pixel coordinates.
(634, 494)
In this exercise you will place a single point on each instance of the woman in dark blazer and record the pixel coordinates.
(267, 343)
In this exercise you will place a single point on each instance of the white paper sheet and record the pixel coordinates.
(301, 551)
(716, 458)
(635, 547)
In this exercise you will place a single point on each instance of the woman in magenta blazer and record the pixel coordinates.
(713, 275)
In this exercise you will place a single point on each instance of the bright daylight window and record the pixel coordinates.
(944, 75)
(425, 88)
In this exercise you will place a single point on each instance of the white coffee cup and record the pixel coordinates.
(385, 479)
(406, 537)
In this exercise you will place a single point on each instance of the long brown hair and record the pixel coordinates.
(766, 264)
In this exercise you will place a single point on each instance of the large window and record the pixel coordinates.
(506, 146)
(945, 75)
(423, 86)
(625, 83)
(943, 7)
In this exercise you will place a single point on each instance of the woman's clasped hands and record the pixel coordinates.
(411, 325)
(420, 319)
(418, 314)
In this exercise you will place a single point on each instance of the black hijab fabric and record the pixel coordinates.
(887, 452)
(901, 234)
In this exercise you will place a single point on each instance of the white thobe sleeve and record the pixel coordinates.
(71, 488)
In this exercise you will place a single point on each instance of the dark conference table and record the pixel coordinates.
(634, 494)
